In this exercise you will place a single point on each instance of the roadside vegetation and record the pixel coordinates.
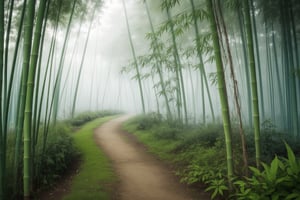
(199, 156)
(56, 152)
(95, 176)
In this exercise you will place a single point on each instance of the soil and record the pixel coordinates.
(141, 175)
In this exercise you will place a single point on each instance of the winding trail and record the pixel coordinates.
(142, 176)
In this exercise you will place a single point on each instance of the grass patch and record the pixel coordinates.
(95, 172)
(161, 147)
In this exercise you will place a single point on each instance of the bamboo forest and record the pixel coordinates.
(150, 99)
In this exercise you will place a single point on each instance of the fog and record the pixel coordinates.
(103, 84)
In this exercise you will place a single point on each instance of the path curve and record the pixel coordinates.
(142, 176)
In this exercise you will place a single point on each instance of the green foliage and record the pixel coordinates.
(146, 122)
(206, 136)
(58, 155)
(272, 142)
(84, 117)
(278, 180)
(217, 185)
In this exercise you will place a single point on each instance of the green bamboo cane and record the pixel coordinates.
(297, 67)
(72, 56)
(222, 88)
(245, 56)
(55, 99)
(254, 91)
(292, 68)
(49, 96)
(82, 61)
(5, 104)
(28, 140)
(178, 66)
(18, 138)
(135, 60)
(201, 66)
(36, 119)
(28, 29)
(261, 96)
(2, 150)
(235, 88)
(158, 63)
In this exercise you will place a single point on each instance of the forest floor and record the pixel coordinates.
(141, 175)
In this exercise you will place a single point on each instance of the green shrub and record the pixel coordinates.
(59, 154)
(272, 144)
(278, 180)
(206, 136)
(147, 121)
(89, 116)
(165, 131)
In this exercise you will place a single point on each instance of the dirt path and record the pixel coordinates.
(142, 177)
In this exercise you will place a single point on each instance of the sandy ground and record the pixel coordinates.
(142, 176)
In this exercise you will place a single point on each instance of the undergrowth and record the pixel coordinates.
(199, 155)
(87, 184)
(52, 161)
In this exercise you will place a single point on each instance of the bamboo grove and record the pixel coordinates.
(233, 61)
(32, 84)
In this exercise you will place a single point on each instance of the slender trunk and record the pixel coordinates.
(82, 61)
(28, 140)
(254, 92)
(242, 32)
(178, 66)
(2, 150)
(222, 88)
(55, 98)
(71, 60)
(159, 63)
(12, 74)
(135, 60)
(5, 104)
(278, 79)
(28, 29)
(261, 96)
(36, 119)
(201, 66)
(235, 92)
(293, 67)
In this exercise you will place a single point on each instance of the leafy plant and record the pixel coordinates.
(278, 180)
(217, 186)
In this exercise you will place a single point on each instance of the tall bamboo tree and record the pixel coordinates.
(29, 99)
(201, 64)
(158, 63)
(138, 75)
(56, 96)
(178, 66)
(2, 154)
(235, 86)
(82, 61)
(222, 87)
(254, 92)
(28, 29)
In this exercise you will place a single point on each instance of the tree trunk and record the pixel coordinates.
(254, 92)
(222, 88)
